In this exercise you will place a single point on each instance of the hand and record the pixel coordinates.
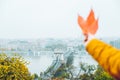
(89, 26)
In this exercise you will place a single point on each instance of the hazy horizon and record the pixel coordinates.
(35, 19)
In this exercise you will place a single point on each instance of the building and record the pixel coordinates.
(115, 43)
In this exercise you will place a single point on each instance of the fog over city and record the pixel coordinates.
(23, 19)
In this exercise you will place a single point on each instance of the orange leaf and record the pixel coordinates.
(90, 18)
(94, 27)
(90, 25)
(82, 24)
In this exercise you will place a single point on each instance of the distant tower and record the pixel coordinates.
(59, 55)
(70, 47)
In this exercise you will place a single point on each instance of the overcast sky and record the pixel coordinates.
(56, 18)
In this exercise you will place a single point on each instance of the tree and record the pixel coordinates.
(86, 71)
(61, 72)
(14, 68)
(92, 73)
(100, 74)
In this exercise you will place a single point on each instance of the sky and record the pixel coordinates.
(56, 18)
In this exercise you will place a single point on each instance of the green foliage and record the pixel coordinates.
(89, 74)
(103, 76)
(86, 71)
(61, 72)
(13, 68)
(86, 77)
(36, 77)
(100, 74)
